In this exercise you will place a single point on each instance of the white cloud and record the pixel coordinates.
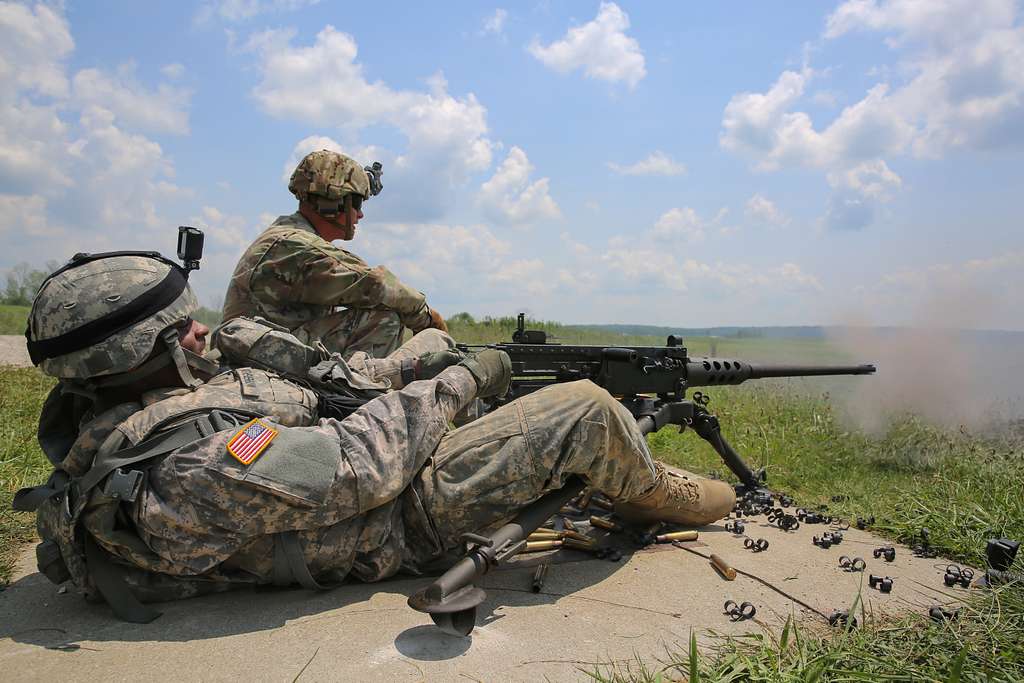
(657, 163)
(241, 10)
(322, 84)
(682, 223)
(495, 23)
(72, 170)
(173, 71)
(858, 194)
(872, 179)
(762, 209)
(600, 48)
(965, 88)
(527, 276)
(164, 110)
(25, 217)
(509, 196)
(34, 42)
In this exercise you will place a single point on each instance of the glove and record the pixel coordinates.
(492, 370)
(437, 322)
(430, 365)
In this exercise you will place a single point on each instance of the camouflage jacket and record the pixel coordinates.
(344, 486)
(290, 276)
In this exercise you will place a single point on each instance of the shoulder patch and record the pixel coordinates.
(251, 440)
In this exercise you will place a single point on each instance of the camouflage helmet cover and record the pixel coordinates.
(82, 294)
(329, 175)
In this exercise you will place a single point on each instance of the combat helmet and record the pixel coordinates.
(327, 179)
(109, 319)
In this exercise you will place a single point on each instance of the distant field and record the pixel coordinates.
(12, 319)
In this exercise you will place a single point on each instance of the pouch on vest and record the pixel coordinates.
(258, 343)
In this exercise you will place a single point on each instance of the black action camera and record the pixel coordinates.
(190, 247)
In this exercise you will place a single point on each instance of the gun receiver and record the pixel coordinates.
(644, 378)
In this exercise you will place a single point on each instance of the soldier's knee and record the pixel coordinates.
(434, 340)
(585, 391)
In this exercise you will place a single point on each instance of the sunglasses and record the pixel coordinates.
(357, 201)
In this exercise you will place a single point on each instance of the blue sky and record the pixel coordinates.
(688, 164)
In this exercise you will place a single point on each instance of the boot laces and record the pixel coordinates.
(679, 486)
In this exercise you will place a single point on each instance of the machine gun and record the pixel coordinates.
(646, 378)
(651, 381)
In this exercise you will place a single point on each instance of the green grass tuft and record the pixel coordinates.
(21, 461)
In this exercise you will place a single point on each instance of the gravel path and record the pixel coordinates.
(13, 351)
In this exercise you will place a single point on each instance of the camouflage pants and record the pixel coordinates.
(482, 474)
(375, 332)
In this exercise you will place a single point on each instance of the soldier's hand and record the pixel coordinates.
(431, 364)
(492, 370)
(437, 322)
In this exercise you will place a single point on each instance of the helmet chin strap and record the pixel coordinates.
(178, 357)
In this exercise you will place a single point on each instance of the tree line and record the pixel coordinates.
(23, 281)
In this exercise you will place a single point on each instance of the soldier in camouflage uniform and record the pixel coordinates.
(294, 276)
(174, 483)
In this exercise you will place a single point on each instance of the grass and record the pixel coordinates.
(12, 319)
(21, 461)
(964, 487)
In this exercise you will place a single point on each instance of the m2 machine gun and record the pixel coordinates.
(651, 381)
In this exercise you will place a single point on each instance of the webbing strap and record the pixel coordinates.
(161, 444)
(110, 581)
(289, 563)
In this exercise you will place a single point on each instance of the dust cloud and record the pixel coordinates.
(939, 368)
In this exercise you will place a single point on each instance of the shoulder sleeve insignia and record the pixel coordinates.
(251, 440)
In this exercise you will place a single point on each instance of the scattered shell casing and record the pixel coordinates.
(583, 502)
(576, 536)
(602, 523)
(579, 545)
(676, 536)
(538, 546)
(568, 524)
(727, 572)
(539, 576)
(545, 535)
(603, 503)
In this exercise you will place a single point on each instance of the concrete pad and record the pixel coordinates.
(590, 613)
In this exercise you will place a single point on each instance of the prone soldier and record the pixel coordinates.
(169, 482)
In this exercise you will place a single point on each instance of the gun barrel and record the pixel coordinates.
(715, 371)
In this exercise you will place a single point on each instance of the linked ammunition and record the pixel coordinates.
(676, 536)
(602, 523)
(727, 572)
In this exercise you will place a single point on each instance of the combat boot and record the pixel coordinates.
(679, 499)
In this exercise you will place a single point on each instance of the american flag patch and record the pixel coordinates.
(250, 441)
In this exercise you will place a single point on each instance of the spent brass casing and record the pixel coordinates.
(576, 536)
(602, 523)
(579, 545)
(539, 576)
(727, 572)
(676, 536)
(583, 502)
(602, 503)
(538, 546)
(568, 524)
